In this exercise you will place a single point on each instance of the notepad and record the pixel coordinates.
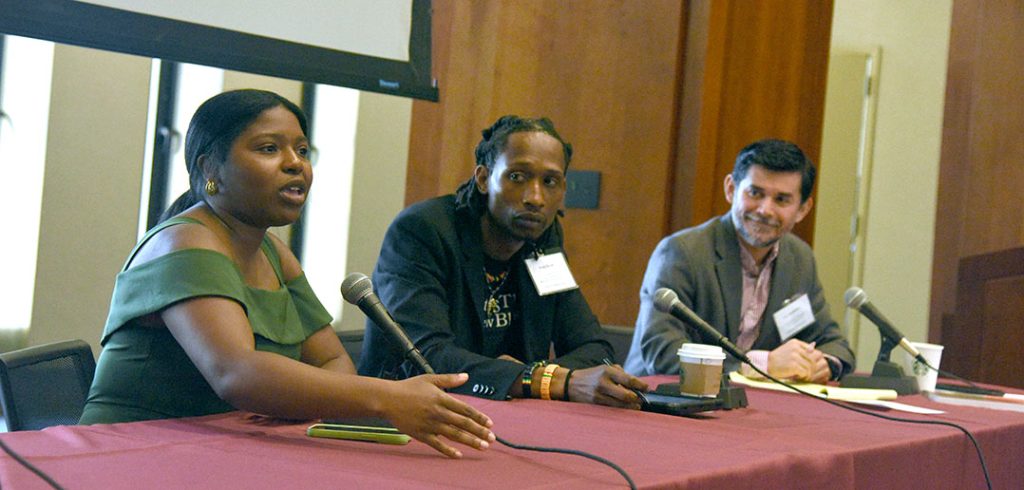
(824, 391)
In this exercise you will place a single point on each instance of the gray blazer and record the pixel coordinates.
(702, 265)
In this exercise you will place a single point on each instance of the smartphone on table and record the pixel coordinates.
(366, 429)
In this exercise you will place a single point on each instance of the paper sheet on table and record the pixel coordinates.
(898, 406)
(824, 391)
(1010, 401)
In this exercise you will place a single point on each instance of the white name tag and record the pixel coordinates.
(550, 274)
(794, 317)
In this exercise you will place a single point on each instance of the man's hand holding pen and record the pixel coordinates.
(606, 384)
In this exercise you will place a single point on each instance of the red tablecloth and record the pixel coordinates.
(780, 441)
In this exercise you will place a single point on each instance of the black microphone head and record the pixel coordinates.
(855, 297)
(664, 298)
(355, 287)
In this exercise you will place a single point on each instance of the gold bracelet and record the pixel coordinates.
(545, 381)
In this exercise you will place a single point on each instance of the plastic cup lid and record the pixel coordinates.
(701, 350)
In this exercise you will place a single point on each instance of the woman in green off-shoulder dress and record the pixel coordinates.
(212, 313)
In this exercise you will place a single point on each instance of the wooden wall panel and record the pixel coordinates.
(656, 95)
(1001, 361)
(752, 73)
(979, 210)
(983, 336)
(606, 72)
(996, 132)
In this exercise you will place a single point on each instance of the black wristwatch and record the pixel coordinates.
(835, 367)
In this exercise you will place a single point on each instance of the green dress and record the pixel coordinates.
(142, 372)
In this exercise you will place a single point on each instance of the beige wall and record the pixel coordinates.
(914, 39)
(91, 189)
(289, 89)
(378, 185)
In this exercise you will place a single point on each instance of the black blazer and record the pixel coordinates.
(430, 276)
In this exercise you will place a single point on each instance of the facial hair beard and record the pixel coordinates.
(749, 237)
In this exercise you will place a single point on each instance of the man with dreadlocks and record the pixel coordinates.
(468, 275)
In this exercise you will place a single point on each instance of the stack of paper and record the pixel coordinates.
(864, 396)
(824, 391)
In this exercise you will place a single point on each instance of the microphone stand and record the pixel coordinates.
(729, 396)
(885, 375)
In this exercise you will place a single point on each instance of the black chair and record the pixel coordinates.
(45, 385)
(621, 339)
(352, 340)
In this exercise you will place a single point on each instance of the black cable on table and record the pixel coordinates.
(575, 452)
(981, 457)
(17, 457)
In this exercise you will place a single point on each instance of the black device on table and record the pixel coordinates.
(676, 404)
(973, 390)
(666, 398)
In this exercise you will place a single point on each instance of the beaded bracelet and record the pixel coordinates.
(545, 381)
(565, 391)
(528, 377)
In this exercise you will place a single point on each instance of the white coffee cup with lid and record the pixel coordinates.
(700, 369)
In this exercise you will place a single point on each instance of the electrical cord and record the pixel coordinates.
(17, 457)
(632, 485)
(951, 375)
(947, 373)
(981, 457)
(574, 452)
(424, 366)
(666, 300)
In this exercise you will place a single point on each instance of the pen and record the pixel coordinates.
(641, 395)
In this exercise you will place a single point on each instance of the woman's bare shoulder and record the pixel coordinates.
(290, 266)
(188, 235)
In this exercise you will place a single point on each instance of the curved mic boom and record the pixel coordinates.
(857, 299)
(358, 290)
(667, 301)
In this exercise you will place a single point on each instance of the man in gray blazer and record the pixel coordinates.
(748, 276)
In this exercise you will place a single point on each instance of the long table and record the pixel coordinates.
(781, 440)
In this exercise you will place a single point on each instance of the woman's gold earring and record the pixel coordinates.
(211, 187)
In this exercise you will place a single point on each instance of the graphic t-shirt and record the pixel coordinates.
(502, 329)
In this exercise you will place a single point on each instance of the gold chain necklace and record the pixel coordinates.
(491, 305)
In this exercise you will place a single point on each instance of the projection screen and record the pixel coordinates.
(377, 45)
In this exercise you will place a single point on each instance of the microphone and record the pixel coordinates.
(358, 290)
(667, 301)
(857, 299)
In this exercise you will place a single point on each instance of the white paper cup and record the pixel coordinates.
(700, 369)
(926, 377)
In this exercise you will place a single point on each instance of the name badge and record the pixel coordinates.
(794, 317)
(550, 274)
